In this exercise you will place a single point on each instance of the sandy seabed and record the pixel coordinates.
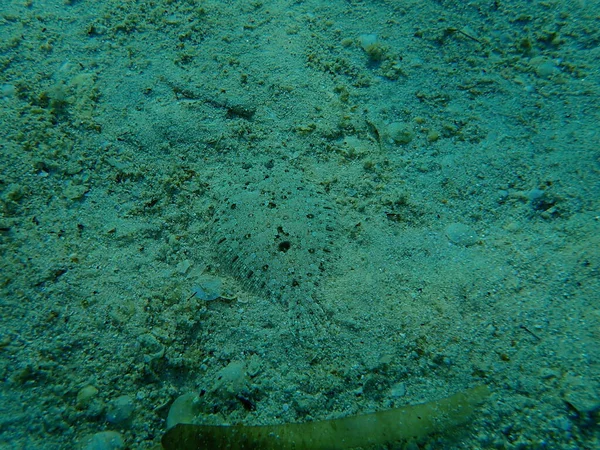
(397, 200)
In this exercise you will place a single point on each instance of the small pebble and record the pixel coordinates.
(208, 288)
(400, 133)
(461, 234)
(85, 396)
(398, 390)
(105, 440)
(120, 410)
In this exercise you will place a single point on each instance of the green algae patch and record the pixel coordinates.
(380, 428)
